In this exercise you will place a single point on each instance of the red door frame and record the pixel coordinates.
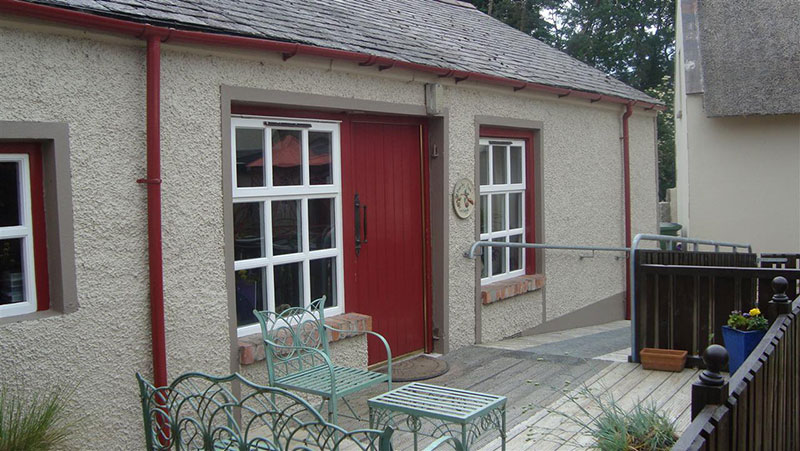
(345, 133)
(530, 186)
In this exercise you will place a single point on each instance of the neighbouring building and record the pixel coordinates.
(276, 151)
(737, 122)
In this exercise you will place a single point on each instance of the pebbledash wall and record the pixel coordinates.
(96, 85)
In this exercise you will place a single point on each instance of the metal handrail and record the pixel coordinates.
(632, 261)
(477, 244)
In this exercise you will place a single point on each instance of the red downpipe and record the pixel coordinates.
(288, 50)
(626, 167)
(153, 182)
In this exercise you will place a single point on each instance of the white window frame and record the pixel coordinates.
(487, 191)
(24, 231)
(304, 192)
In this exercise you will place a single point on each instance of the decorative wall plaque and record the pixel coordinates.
(464, 198)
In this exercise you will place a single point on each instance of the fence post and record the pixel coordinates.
(712, 388)
(780, 303)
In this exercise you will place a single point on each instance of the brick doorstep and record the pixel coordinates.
(505, 289)
(251, 347)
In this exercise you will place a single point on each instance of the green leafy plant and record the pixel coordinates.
(644, 428)
(752, 320)
(36, 423)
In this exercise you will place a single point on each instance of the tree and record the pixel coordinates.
(632, 40)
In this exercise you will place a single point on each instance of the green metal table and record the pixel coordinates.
(450, 411)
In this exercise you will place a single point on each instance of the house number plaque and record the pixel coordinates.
(464, 198)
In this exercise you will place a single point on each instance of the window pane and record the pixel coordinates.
(516, 164)
(321, 215)
(248, 236)
(484, 165)
(498, 212)
(484, 213)
(515, 255)
(9, 194)
(251, 293)
(12, 276)
(499, 168)
(498, 258)
(514, 210)
(323, 280)
(320, 162)
(286, 227)
(249, 157)
(287, 160)
(288, 286)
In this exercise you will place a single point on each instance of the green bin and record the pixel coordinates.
(670, 229)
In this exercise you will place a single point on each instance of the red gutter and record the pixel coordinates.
(626, 168)
(287, 49)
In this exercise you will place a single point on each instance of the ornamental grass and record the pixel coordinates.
(35, 423)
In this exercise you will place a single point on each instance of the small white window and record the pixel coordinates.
(502, 215)
(17, 269)
(287, 216)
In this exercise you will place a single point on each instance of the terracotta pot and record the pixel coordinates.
(663, 359)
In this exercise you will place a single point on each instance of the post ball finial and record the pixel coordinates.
(715, 358)
(779, 285)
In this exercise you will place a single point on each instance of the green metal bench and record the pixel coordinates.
(297, 356)
(202, 412)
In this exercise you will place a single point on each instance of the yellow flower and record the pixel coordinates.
(755, 312)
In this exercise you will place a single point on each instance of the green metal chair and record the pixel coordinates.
(297, 356)
(201, 412)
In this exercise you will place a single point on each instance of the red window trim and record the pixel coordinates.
(530, 195)
(34, 152)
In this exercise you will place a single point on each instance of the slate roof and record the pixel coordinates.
(441, 33)
(749, 55)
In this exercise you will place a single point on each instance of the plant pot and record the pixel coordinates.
(740, 344)
(663, 359)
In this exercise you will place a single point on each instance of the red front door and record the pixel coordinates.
(386, 249)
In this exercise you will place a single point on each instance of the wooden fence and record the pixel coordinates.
(758, 408)
(676, 309)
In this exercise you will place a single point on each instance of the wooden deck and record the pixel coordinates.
(534, 373)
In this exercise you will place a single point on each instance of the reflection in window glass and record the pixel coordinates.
(320, 158)
(288, 286)
(499, 166)
(515, 254)
(321, 216)
(516, 164)
(286, 227)
(515, 210)
(323, 280)
(484, 266)
(248, 235)
(498, 212)
(484, 165)
(484, 213)
(9, 194)
(498, 257)
(251, 294)
(287, 157)
(249, 157)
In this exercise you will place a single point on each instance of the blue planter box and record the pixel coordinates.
(740, 344)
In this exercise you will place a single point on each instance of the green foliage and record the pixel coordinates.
(633, 40)
(752, 320)
(37, 423)
(645, 428)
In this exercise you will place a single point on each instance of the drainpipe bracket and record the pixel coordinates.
(149, 181)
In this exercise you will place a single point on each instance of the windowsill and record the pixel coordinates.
(251, 347)
(506, 289)
(30, 316)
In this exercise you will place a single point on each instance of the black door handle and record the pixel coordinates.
(357, 213)
(365, 224)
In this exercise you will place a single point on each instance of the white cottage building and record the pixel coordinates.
(167, 166)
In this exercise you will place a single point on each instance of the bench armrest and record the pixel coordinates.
(379, 337)
(322, 355)
(456, 443)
